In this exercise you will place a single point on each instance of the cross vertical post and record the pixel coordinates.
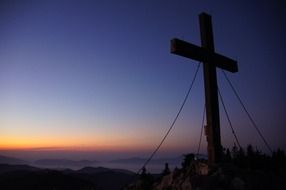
(206, 54)
(211, 96)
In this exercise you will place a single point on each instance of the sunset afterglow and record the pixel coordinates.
(99, 77)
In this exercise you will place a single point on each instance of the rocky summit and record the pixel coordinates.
(261, 173)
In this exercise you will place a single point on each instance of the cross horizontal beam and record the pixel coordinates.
(185, 49)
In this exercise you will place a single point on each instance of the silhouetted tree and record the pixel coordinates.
(166, 170)
(241, 153)
(146, 179)
(227, 155)
(143, 174)
(234, 151)
(188, 160)
(249, 151)
(279, 160)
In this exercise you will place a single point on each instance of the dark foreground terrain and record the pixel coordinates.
(239, 170)
(15, 177)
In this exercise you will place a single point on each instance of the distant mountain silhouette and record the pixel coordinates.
(5, 168)
(96, 170)
(138, 160)
(133, 160)
(64, 163)
(92, 170)
(11, 160)
(14, 177)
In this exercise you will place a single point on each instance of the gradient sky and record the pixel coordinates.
(98, 76)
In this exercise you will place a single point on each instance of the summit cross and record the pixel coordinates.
(210, 59)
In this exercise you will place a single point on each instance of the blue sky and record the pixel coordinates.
(99, 74)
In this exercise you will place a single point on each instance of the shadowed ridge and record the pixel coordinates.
(11, 160)
(5, 168)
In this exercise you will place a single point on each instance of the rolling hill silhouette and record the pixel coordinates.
(64, 163)
(11, 160)
(14, 177)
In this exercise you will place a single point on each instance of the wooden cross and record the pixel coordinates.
(210, 59)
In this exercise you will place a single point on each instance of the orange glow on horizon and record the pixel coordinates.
(49, 144)
(74, 148)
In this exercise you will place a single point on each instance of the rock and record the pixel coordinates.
(165, 182)
(202, 168)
